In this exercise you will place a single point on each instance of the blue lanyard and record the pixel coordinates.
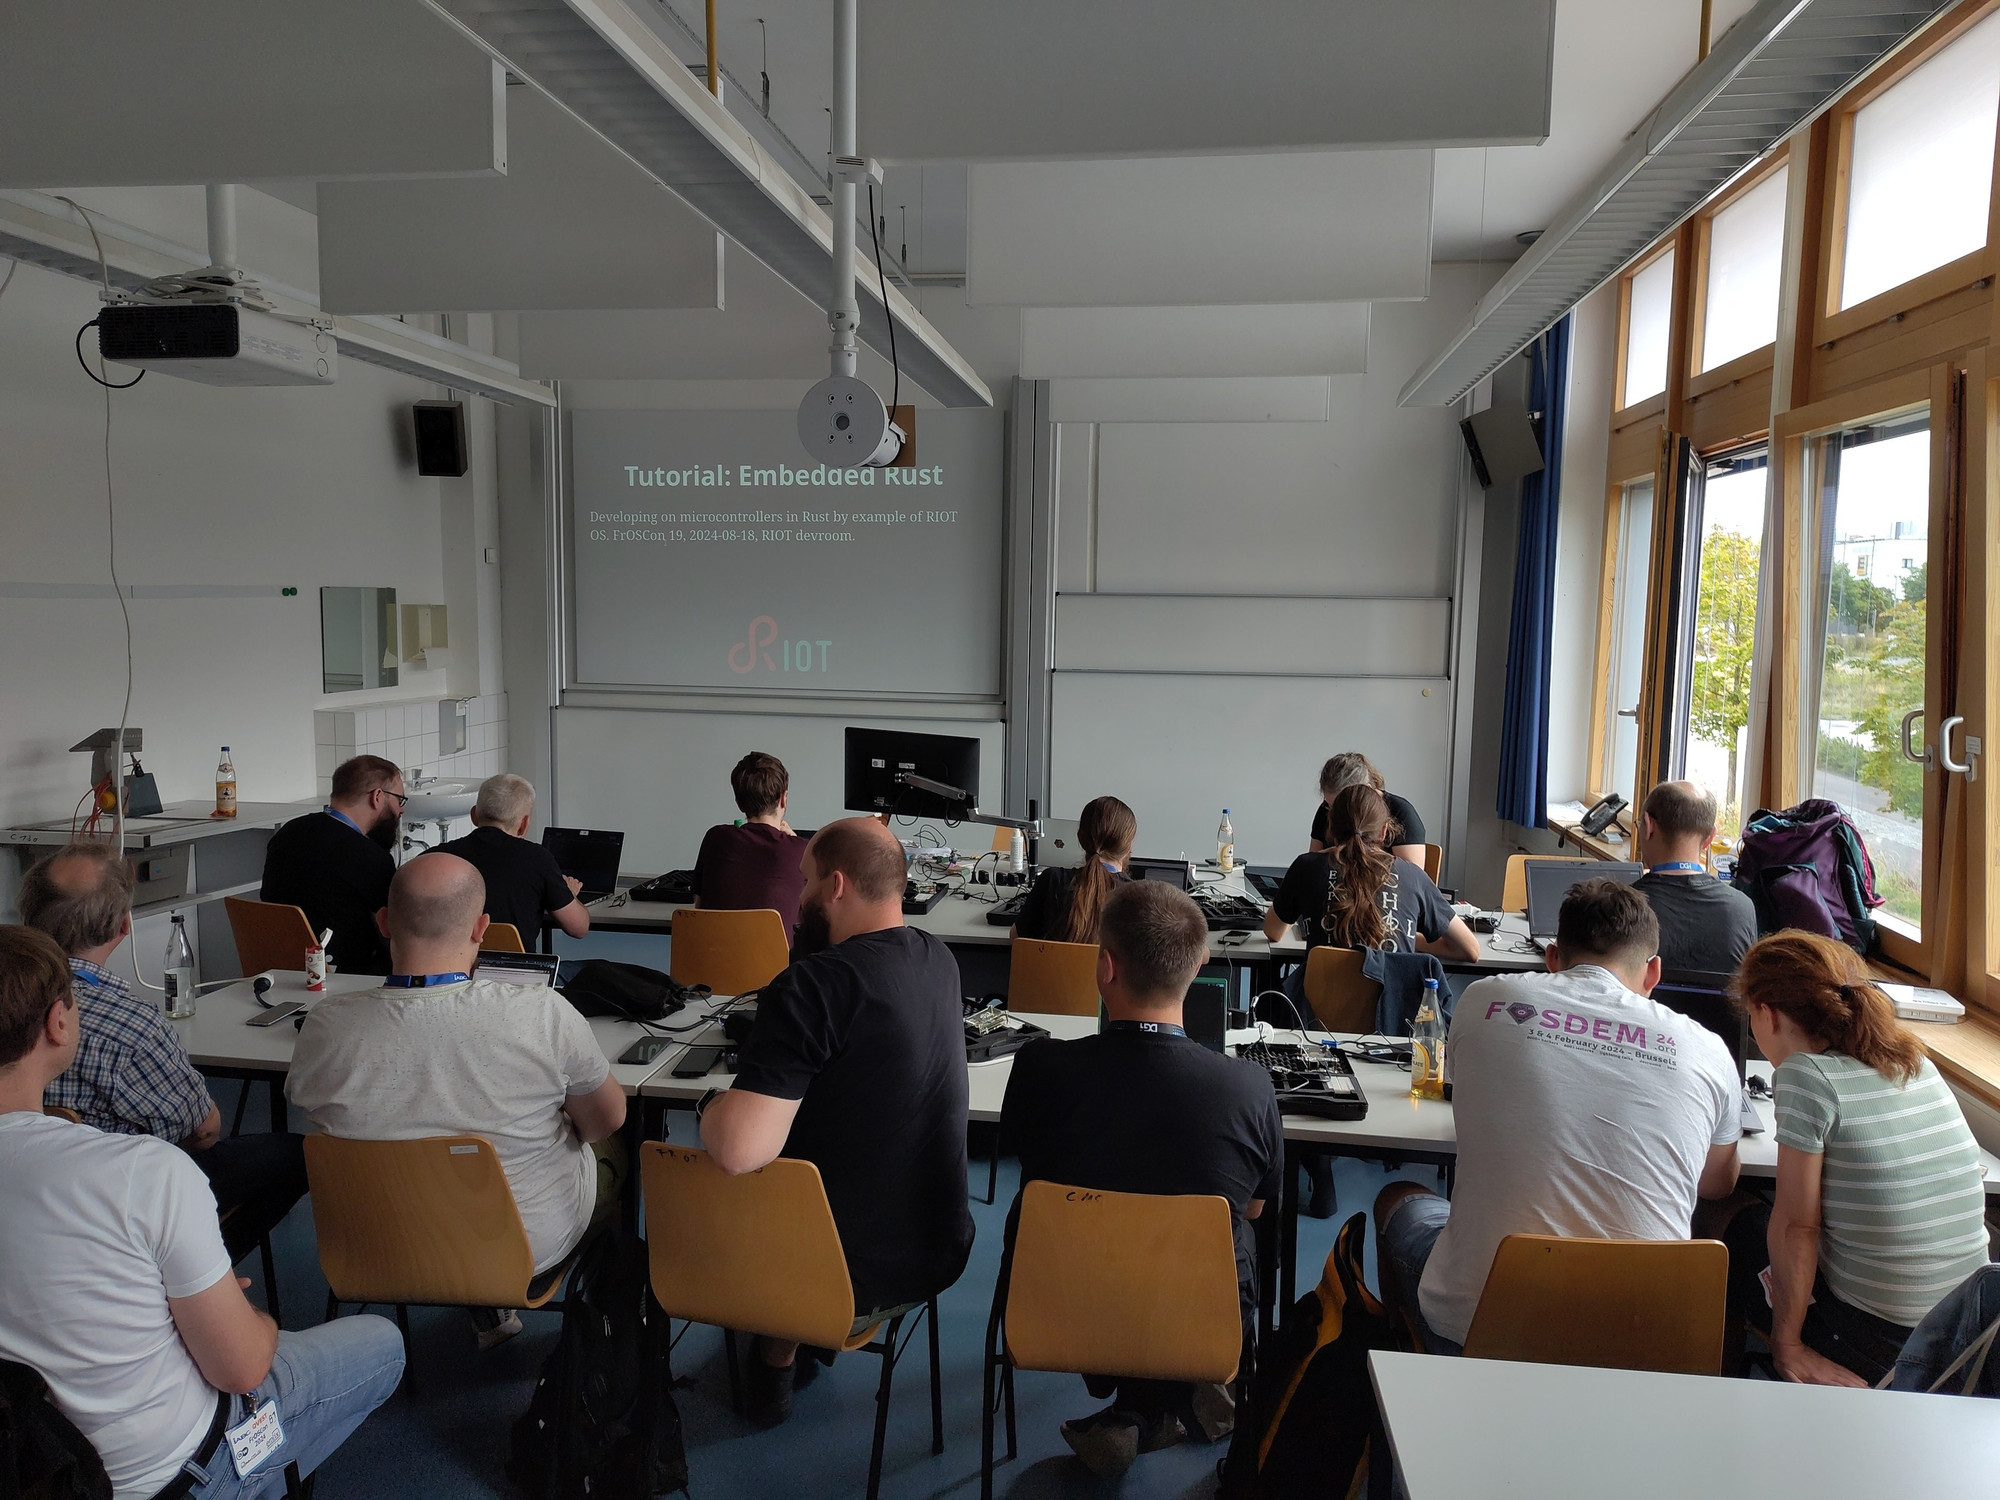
(1692, 867)
(422, 981)
(1157, 1028)
(333, 812)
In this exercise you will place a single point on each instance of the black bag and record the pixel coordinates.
(1315, 1427)
(628, 992)
(602, 1424)
(41, 1452)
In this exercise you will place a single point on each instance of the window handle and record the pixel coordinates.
(1909, 754)
(1956, 721)
(1628, 713)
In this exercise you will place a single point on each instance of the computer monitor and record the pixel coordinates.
(587, 855)
(1550, 880)
(877, 758)
(1704, 999)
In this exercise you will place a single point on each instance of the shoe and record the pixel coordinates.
(1214, 1411)
(1101, 1387)
(807, 1363)
(767, 1391)
(1107, 1443)
(499, 1333)
(1324, 1202)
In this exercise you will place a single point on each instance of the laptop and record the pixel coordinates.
(1550, 880)
(1059, 847)
(1176, 872)
(1204, 1013)
(1264, 879)
(1704, 999)
(587, 855)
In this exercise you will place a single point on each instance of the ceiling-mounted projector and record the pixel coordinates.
(217, 343)
(843, 421)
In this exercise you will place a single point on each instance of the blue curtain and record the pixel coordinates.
(1524, 726)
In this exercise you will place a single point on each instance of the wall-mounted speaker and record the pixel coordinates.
(441, 445)
(1501, 441)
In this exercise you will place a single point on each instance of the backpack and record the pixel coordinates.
(628, 992)
(1314, 1421)
(41, 1452)
(602, 1420)
(1807, 868)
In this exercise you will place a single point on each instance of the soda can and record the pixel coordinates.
(315, 969)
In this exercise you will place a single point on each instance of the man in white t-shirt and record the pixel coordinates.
(436, 1052)
(120, 1293)
(1583, 1109)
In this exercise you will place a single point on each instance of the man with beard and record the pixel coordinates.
(336, 865)
(857, 1064)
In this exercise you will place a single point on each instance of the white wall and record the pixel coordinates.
(214, 486)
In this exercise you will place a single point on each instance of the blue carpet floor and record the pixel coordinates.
(444, 1437)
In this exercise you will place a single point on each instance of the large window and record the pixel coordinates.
(1746, 242)
(1648, 321)
(1632, 558)
(1725, 629)
(1920, 168)
(1870, 488)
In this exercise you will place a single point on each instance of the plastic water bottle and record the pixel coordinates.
(179, 972)
(1427, 1046)
(225, 787)
(1225, 844)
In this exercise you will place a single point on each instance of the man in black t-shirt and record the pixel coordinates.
(857, 1064)
(1705, 924)
(523, 882)
(336, 865)
(1140, 1108)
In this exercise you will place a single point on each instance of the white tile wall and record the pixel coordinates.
(407, 733)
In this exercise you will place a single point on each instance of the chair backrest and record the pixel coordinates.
(1003, 840)
(731, 952)
(1616, 1304)
(61, 1112)
(757, 1252)
(502, 937)
(1052, 979)
(268, 935)
(1514, 889)
(428, 1221)
(1341, 996)
(1433, 860)
(1131, 1284)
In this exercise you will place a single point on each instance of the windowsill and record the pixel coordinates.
(1967, 1053)
(1597, 848)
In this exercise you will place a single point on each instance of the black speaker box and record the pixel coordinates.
(441, 445)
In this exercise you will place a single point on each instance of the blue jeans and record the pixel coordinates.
(1946, 1332)
(1402, 1249)
(325, 1381)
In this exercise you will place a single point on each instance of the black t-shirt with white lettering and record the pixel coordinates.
(870, 1036)
(1411, 904)
(1407, 827)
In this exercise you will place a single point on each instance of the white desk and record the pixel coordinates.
(218, 1036)
(1474, 1429)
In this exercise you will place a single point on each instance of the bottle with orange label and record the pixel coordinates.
(1427, 1038)
(225, 786)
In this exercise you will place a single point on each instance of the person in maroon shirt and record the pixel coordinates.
(754, 865)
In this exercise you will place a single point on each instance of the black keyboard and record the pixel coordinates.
(1008, 912)
(1230, 913)
(676, 886)
(1309, 1080)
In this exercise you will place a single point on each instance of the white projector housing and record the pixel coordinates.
(217, 343)
(842, 421)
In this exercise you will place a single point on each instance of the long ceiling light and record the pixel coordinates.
(1778, 67)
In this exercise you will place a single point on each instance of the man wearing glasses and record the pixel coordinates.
(336, 865)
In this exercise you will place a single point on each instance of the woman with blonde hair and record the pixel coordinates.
(1880, 1207)
(1065, 905)
(1352, 768)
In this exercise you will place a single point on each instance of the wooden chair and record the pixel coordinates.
(1052, 979)
(1083, 1294)
(423, 1223)
(1614, 1304)
(760, 1253)
(502, 937)
(1341, 996)
(58, 1112)
(1514, 889)
(268, 935)
(732, 952)
(1433, 861)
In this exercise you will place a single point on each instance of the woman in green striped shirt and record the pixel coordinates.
(1880, 1207)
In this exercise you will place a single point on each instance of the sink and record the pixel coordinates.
(439, 801)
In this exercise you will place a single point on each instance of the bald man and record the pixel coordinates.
(1705, 924)
(435, 1051)
(857, 1064)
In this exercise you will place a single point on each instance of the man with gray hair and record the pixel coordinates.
(524, 886)
(132, 1075)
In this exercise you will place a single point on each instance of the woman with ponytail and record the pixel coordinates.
(1355, 893)
(1880, 1207)
(1065, 905)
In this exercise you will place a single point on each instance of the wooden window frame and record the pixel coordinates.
(1601, 709)
(1704, 382)
(1656, 404)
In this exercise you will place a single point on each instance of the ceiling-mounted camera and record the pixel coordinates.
(844, 422)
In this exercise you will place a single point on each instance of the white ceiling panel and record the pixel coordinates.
(1323, 226)
(1289, 339)
(998, 79)
(573, 224)
(134, 92)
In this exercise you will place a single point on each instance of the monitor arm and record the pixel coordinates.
(1032, 827)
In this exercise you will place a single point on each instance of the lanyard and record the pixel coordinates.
(422, 981)
(1157, 1028)
(334, 812)
(1677, 866)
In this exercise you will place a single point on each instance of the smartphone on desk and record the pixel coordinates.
(276, 1014)
(645, 1049)
(697, 1062)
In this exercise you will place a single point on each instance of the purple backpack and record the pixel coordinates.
(1807, 868)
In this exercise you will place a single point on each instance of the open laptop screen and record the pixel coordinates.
(1550, 880)
(1704, 999)
(588, 855)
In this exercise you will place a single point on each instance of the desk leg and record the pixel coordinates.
(1288, 1230)
(1266, 1234)
(281, 1119)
